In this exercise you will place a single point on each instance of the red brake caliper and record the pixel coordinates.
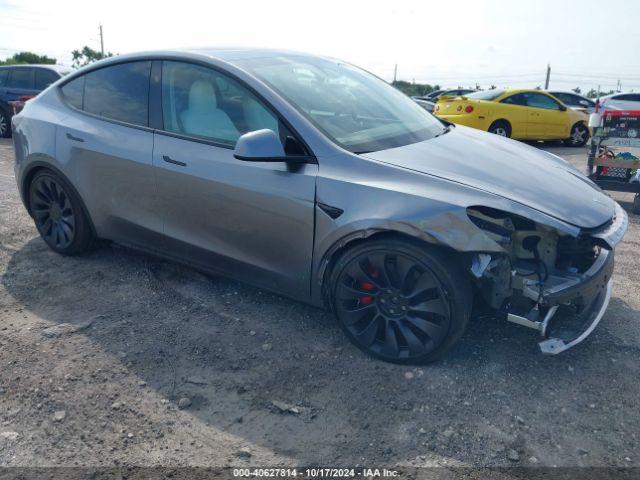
(368, 286)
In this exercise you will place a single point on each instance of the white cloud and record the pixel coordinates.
(500, 41)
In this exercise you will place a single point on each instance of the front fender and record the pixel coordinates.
(383, 198)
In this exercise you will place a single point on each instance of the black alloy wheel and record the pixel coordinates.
(5, 124)
(393, 305)
(58, 215)
(52, 211)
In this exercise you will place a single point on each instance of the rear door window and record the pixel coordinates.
(119, 92)
(20, 78)
(44, 78)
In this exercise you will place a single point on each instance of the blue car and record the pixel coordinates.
(21, 82)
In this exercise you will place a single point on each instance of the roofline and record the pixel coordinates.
(50, 66)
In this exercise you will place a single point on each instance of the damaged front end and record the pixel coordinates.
(551, 281)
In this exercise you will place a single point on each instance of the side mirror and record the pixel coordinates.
(259, 146)
(563, 108)
(264, 146)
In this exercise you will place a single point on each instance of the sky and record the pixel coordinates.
(500, 42)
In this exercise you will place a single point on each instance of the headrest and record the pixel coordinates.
(202, 96)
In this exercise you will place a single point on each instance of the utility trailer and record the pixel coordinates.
(612, 165)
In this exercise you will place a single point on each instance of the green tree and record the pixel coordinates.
(28, 57)
(577, 90)
(414, 89)
(593, 93)
(87, 55)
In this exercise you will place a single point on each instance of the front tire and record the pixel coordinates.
(399, 301)
(501, 128)
(579, 136)
(59, 215)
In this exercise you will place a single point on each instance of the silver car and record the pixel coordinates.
(620, 101)
(309, 177)
(575, 101)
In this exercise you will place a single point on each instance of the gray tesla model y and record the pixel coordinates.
(317, 180)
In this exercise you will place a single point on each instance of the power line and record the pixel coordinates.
(485, 77)
(605, 76)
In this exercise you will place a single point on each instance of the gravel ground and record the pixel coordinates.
(118, 358)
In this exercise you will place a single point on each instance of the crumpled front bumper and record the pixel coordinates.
(591, 290)
(568, 305)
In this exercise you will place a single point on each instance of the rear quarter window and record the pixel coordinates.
(73, 92)
(517, 99)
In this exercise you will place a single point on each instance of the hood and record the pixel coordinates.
(509, 169)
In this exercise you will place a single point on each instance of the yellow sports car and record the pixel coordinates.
(519, 114)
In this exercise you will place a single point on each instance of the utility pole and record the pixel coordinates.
(395, 73)
(101, 42)
(546, 82)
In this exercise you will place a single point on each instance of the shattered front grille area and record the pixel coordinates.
(554, 283)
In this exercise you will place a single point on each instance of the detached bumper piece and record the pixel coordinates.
(564, 339)
(570, 306)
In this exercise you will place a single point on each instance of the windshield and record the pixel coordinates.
(485, 94)
(353, 108)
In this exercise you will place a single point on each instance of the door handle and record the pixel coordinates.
(75, 139)
(168, 159)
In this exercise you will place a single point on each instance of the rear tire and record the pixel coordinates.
(399, 301)
(579, 135)
(5, 123)
(501, 128)
(59, 215)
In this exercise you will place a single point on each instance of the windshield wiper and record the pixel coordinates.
(446, 129)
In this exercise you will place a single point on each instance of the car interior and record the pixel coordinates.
(202, 103)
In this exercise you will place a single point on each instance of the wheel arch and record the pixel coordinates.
(355, 238)
(39, 166)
